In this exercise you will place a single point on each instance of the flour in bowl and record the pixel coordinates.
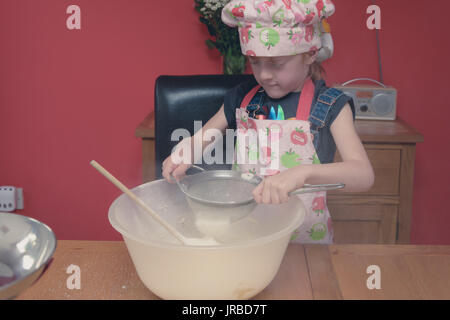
(212, 227)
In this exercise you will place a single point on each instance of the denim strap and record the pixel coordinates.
(322, 107)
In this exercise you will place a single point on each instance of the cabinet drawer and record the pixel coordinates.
(386, 166)
(371, 224)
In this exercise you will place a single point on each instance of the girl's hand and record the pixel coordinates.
(275, 189)
(174, 168)
(178, 171)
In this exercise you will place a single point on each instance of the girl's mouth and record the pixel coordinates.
(271, 85)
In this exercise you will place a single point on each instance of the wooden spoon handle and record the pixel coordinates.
(125, 190)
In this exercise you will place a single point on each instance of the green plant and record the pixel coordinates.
(223, 38)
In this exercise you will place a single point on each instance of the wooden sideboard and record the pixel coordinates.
(383, 214)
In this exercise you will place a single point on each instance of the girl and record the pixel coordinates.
(281, 40)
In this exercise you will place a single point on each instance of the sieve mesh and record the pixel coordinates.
(222, 190)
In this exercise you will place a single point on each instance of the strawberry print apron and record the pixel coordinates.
(295, 145)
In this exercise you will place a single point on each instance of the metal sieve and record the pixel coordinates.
(228, 193)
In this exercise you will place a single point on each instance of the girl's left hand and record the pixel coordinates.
(275, 189)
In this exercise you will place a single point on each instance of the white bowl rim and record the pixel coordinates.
(299, 219)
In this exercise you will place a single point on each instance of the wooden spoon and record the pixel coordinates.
(173, 231)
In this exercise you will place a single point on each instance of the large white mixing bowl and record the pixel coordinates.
(240, 268)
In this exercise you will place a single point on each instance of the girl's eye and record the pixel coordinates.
(275, 64)
(278, 63)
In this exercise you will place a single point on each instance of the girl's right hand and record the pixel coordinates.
(177, 166)
(169, 169)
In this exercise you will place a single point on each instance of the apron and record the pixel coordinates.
(296, 147)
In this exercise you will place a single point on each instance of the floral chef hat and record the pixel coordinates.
(270, 28)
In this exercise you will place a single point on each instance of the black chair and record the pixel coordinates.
(181, 100)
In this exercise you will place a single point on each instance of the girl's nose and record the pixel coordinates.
(265, 74)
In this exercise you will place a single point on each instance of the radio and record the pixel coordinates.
(372, 102)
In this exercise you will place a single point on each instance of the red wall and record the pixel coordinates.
(70, 96)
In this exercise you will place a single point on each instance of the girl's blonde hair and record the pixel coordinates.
(316, 71)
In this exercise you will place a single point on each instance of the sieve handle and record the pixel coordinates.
(125, 190)
(317, 187)
(197, 167)
(192, 166)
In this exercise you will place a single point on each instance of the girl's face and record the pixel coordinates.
(281, 75)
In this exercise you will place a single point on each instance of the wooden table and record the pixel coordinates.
(307, 272)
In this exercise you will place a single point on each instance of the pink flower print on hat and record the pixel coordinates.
(278, 17)
(269, 37)
(309, 34)
(238, 11)
(263, 5)
(288, 4)
(320, 6)
(300, 18)
(295, 35)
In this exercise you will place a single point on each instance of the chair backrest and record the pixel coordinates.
(181, 100)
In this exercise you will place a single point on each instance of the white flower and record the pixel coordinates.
(210, 7)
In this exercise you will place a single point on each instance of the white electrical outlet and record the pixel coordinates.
(11, 198)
